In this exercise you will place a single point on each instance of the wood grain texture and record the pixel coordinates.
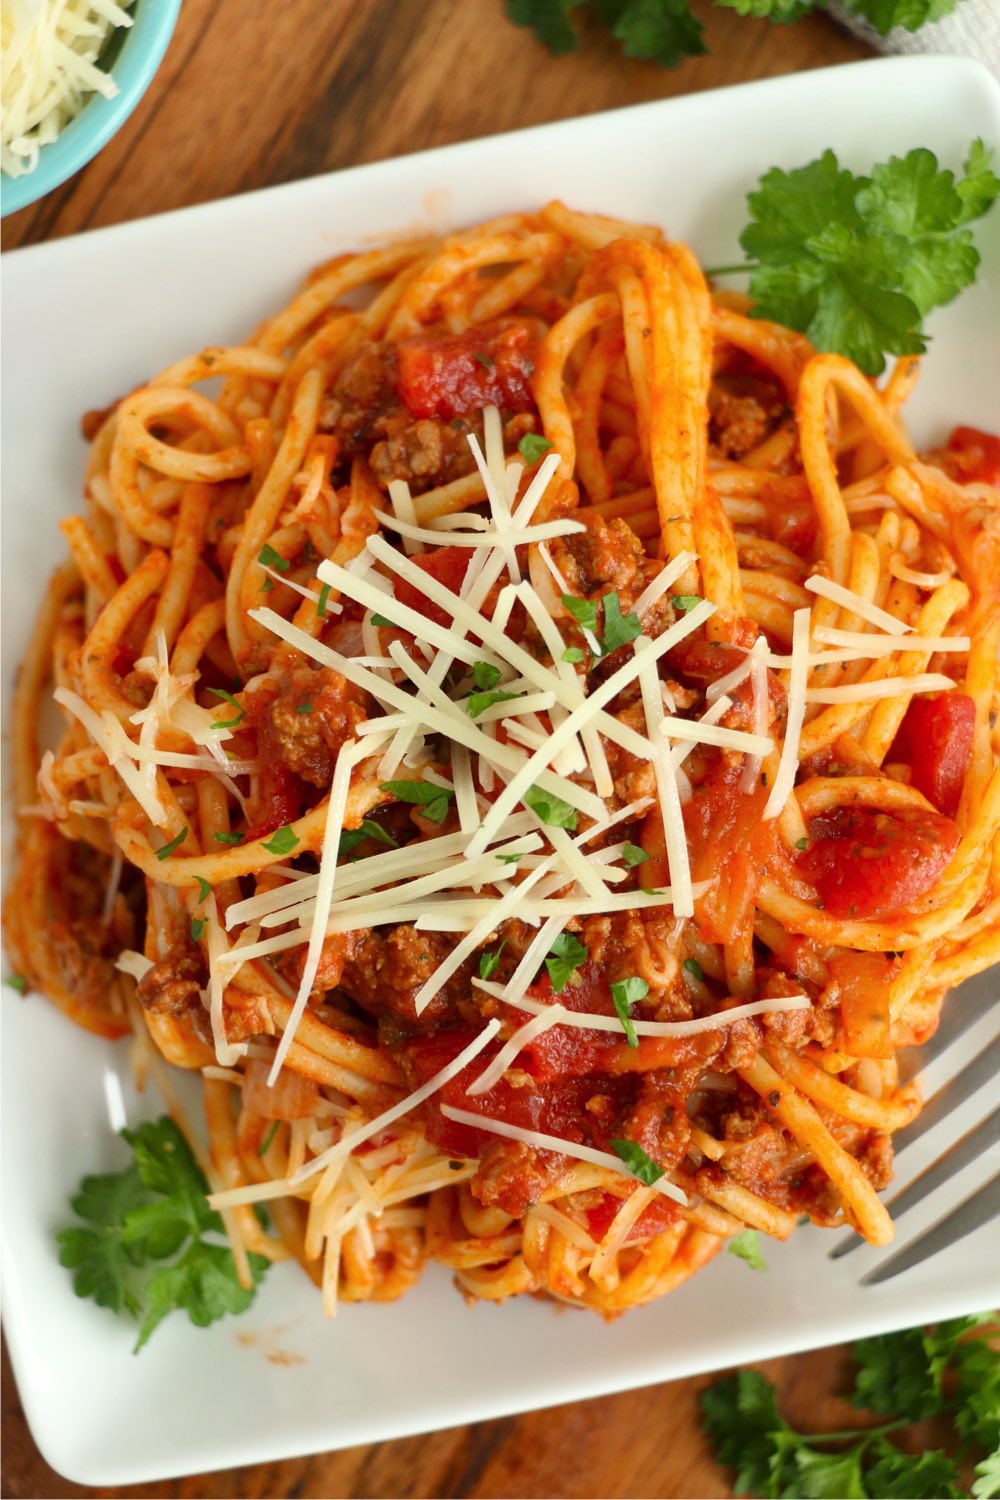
(253, 92)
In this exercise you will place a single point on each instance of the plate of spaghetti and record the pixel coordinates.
(507, 762)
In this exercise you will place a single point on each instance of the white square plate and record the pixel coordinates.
(88, 318)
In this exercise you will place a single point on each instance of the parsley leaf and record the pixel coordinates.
(574, 655)
(549, 20)
(197, 929)
(634, 854)
(782, 11)
(368, 829)
(532, 447)
(267, 1138)
(269, 558)
(282, 841)
(911, 14)
(566, 955)
(638, 1163)
(323, 601)
(383, 622)
(204, 888)
(227, 698)
(662, 29)
(624, 994)
(693, 967)
(686, 602)
(911, 1476)
(485, 675)
(154, 1209)
(619, 629)
(168, 849)
(987, 1481)
(584, 611)
(478, 703)
(509, 859)
(236, 837)
(434, 800)
(550, 808)
(304, 708)
(746, 1245)
(16, 982)
(490, 962)
(857, 262)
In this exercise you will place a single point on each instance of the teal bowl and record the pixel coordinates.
(141, 51)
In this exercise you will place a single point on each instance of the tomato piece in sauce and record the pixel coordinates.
(936, 738)
(659, 1215)
(866, 863)
(973, 456)
(448, 565)
(460, 373)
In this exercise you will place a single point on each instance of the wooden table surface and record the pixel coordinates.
(253, 92)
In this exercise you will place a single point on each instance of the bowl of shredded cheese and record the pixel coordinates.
(72, 72)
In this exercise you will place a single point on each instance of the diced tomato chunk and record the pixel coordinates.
(973, 455)
(936, 738)
(866, 863)
(461, 373)
(278, 798)
(660, 1215)
(448, 565)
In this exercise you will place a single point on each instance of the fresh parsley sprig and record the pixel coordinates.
(856, 263)
(149, 1243)
(944, 1371)
(667, 31)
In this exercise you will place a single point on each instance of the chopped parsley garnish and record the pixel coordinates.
(204, 888)
(304, 708)
(584, 611)
(282, 841)
(485, 675)
(624, 994)
(197, 929)
(382, 622)
(268, 558)
(230, 838)
(16, 982)
(227, 698)
(693, 967)
(685, 602)
(168, 849)
(746, 1245)
(574, 655)
(533, 446)
(323, 601)
(550, 808)
(802, 843)
(148, 1242)
(619, 629)
(433, 800)
(633, 854)
(484, 360)
(638, 1163)
(662, 29)
(478, 703)
(268, 1138)
(490, 962)
(368, 829)
(509, 859)
(566, 955)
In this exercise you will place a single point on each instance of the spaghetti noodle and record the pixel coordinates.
(528, 740)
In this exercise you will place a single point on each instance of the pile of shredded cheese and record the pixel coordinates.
(50, 50)
(509, 857)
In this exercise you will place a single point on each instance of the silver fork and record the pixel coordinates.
(963, 1008)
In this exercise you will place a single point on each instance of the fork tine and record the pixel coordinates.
(972, 1144)
(975, 1211)
(962, 1009)
(972, 1077)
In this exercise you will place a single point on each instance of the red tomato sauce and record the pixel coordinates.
(449, 566)
(973, 456)
(454, 375)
